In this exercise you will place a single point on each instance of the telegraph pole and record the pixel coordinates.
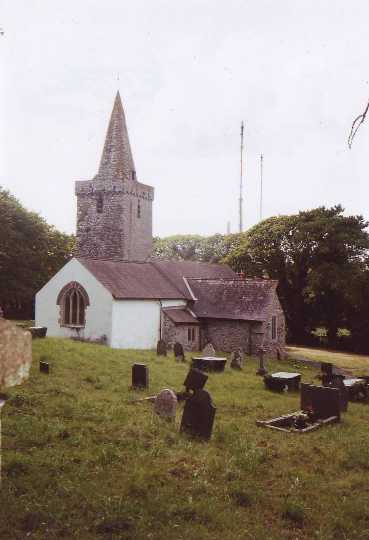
(241, 179)
(261, 187)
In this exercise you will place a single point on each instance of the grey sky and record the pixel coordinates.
(296, 71)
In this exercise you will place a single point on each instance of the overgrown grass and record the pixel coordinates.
(340, 359)
(83, 460)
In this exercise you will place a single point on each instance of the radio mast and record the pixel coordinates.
(241, 179)
(261, 187)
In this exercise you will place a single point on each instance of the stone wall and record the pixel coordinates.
(114, 220)
(172, 333)
(275, 348)
(226, 335)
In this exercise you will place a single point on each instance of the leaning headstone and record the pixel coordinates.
(161, 348)
(262, 369)
(140, 376)
(178, 352)
(44, 367)
(208, 350)
(198, 415)
(15, 359)
(195, 380)
(166, 404)
(236, 359)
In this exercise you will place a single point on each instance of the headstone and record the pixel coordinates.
(198, 415)
(337, 382)
(44, 367)
(140, 376)
(166, 404)
(262, 369)
(195, 380)
(320, 401)
(178, 352)
(327, 372)
(15, 354)
(161, 348)
(208, 350)
(236, 359)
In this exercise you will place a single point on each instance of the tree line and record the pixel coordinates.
(320, 258)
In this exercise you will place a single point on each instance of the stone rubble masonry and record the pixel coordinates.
(15, 354)
(179, 332)
(114, 210)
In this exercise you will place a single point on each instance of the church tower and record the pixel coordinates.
(114, 210)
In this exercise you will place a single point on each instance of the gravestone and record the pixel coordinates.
(198, 415)
(178, 352)
(140, 376)
(44, 367)
(262, 369)
(208, 350)
(337, 382)
(195, 380)
(320, 401)
(237, 359)
(15, 354)
(161, 348)
(327, 372)
(166, 404)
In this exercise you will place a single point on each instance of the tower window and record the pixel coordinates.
(133, 175)
(138, 209)
(99, 204)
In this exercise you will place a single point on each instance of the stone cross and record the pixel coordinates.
(262, 369)
(15, 359)
(208, 350)
(166, 404)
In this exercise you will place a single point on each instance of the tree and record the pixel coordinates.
(31, 252)
(316, 256)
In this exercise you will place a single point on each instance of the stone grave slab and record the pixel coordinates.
(209, 363)
(179, 352)
(282, 380)
(161, 348)
(15, 354)
(198, 415)
(165, 404)
(140, 376)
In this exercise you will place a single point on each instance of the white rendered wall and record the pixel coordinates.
(98, 313)
(136, 322)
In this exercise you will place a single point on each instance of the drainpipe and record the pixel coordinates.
(160, 320)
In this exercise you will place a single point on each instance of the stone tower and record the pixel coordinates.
(114, 210)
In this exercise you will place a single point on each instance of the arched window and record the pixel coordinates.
(99, 204)
(138, 209)
(73, 301)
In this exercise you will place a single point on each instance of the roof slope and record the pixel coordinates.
(241, 299)
(180, 315)
(150, 280)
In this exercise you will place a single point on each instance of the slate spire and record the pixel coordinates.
(116, 160)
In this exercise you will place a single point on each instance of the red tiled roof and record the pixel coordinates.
(241, 299)
(180, 315)
(150, 280)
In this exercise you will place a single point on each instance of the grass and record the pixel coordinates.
(83, 460)
(350, 361)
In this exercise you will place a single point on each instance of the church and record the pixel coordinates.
(113, 292)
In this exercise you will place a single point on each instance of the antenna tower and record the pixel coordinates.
(261, 187)
(241, 179)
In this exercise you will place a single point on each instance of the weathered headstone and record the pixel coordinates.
(161, 348)
(44, 367)
(140, 376)
(320, 401)
(208, 350)
(195, 380)
(15, 358)
(198, 415)
(262, 369)
(165, 404)
(178, 352)
(237, 359)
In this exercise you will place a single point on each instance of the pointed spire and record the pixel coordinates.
(116, 160)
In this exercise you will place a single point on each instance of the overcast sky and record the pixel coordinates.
(296, 72)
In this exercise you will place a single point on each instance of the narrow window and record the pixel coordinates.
(193, 334)
(138, 209)
(133, 175)
(99, 204)
(274, 327)
(189, 334)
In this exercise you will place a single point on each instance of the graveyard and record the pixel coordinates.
(85, 456)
